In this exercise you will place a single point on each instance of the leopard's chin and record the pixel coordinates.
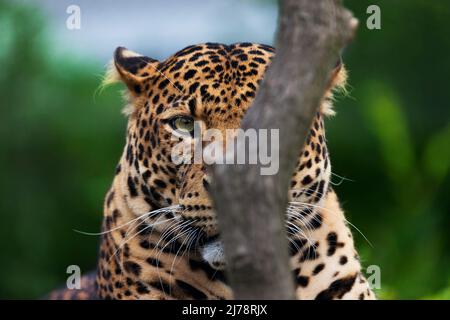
(212, 253)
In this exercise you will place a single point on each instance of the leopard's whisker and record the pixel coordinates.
(331, 211)
(342, 178)
(169, 231)
(299, 232)
(191, 242)
(187, 238)
(137, 233)
(165, 232)
(174, 239)
(127, 239)
(301, 190)
(142, 216)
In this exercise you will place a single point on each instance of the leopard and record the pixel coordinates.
(160, 236)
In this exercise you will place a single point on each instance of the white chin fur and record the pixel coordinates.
(213, 254)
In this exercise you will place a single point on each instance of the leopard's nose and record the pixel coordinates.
(206, 170)
(207, 182)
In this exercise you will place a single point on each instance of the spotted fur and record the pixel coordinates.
(160, 255)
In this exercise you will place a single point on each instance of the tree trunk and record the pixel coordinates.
(251, 207)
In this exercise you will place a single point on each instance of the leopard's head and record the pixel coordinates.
(207, 86)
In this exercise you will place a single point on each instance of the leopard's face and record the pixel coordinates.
(200, 87)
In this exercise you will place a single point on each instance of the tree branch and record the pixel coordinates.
(251, 207)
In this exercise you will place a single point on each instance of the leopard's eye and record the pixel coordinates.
(183, 124)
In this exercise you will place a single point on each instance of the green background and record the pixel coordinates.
(60, 139)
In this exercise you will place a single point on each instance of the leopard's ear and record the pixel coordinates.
(337, 84)
(338, 76)
(131, 68)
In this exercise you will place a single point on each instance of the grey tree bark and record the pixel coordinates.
(251, 207)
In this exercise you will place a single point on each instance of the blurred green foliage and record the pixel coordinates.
(60, 140)
(59, 146)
